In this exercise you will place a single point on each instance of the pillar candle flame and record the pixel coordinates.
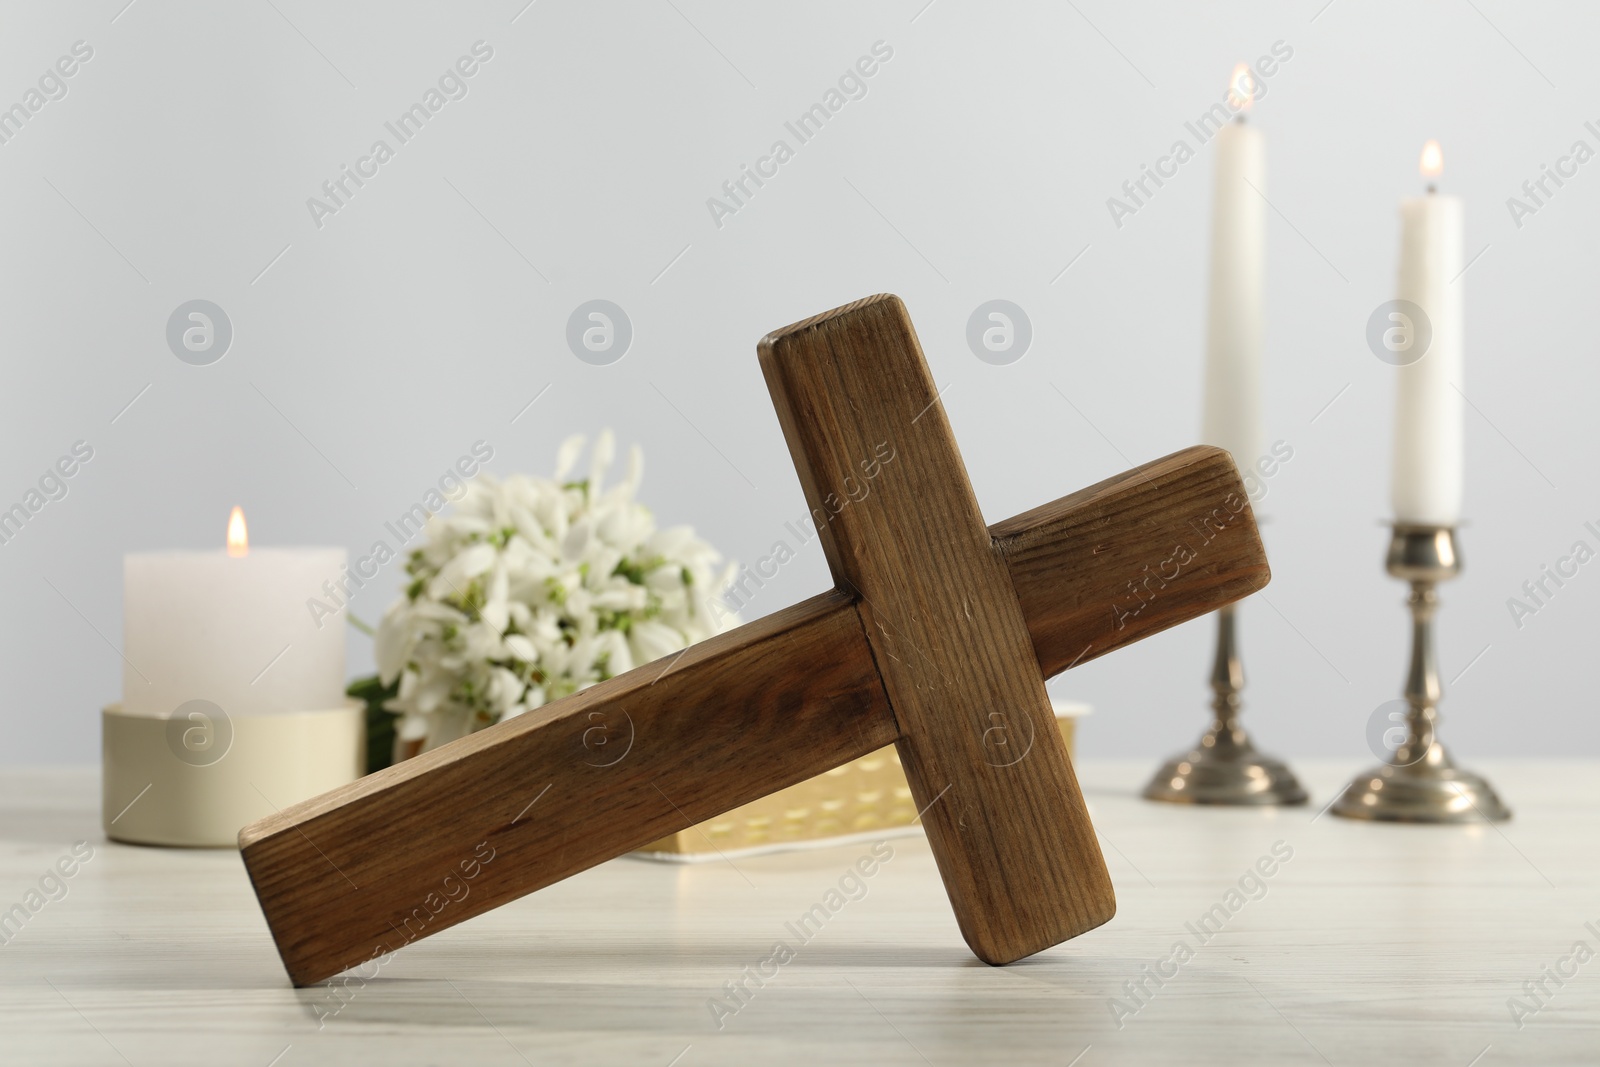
(238, 536)
(1242, 88)
(1432, 163)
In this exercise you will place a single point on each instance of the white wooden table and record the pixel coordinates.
(1371, 945)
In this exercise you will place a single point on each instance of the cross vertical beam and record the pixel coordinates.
(1001, 805)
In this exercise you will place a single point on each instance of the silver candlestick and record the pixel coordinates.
(1421, 783)
(1225, 767)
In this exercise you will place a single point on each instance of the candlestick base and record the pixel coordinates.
(1433, 790)
(1225, 767)
(1421, 783)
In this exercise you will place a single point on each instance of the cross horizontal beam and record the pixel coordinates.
(367, 868)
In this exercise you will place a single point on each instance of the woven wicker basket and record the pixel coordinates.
(867, 796)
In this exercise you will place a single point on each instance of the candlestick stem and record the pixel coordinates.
(1420, 782)
(1225, 767)
(1227, 681)
(1422, 691)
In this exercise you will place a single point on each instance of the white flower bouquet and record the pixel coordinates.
(535, 588)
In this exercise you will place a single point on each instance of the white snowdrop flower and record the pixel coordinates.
(505, 689)
(468, 563)
(605, 450)
(532, 589)
(623, 598)
(635, 475)
(576, 542)
(496, 610)
(667, 578)
(652, 640)
(413, 726)
(671, 543)
(567, 456)
(614, 651)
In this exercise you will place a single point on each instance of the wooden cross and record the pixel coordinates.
(938, 638)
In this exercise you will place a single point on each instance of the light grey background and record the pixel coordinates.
(431, 309)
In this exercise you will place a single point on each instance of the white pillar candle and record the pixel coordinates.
(1428, 430)
(1232, 417)
(231, 627)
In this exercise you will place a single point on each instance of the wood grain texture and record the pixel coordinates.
(362, 870)
(1129, 557)
(1000, 804)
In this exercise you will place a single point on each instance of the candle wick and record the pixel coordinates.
(1432, 188)
(1239, 118)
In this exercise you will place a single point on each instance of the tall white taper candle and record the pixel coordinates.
(1232, 417)
(1428, 404)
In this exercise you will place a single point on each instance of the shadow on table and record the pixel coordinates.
(703, 990)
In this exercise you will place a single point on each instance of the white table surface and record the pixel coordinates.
(1372, 945)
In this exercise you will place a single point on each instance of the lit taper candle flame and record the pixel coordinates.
(238, 535)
